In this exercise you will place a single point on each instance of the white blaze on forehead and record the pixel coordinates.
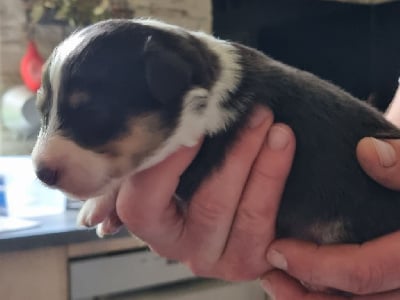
(62, 52)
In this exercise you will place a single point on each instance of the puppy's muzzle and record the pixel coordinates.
(48, 175)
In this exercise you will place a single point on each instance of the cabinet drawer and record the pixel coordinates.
(90, 277)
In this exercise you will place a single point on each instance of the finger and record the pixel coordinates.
(212, 209)
(380, 159)
(282, 287)
(145, 203)
(254, 225)
(372, 267)
(392, 295)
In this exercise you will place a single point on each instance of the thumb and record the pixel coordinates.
(380, 159)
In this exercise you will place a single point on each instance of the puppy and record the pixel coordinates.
(121, 95)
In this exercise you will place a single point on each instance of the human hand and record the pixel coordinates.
(381, 159)
(369, 271)
(230, 221)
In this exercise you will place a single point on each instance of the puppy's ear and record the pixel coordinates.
(167, 74)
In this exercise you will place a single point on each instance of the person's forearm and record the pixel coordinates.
(393, 112)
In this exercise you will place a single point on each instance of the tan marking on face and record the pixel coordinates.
(145, 136)
(78, 98)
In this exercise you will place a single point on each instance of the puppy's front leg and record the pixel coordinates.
(110, 225)
(101, 211)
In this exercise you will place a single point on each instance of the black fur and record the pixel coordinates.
(326, 183)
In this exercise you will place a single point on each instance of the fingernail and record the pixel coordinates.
(258, 117)
(278, 137)
(267, 287)
(277, 260)
(386, 153)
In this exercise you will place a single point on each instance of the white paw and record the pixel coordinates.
(95, 210)
(111, 225)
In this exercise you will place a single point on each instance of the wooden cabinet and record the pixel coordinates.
(108, 268)
(42, 273)
(34, 274)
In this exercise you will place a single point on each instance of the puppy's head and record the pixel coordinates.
(113, 99)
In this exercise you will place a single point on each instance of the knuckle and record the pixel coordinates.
(365, 279)
(240, 154)
(266, 171)
(246, 147)
(208, 211)
(252, 223)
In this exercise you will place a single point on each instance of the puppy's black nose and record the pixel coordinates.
(47, 175)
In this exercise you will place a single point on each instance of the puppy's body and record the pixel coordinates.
(124, 94)
(328, 198)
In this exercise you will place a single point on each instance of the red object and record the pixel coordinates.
(31, 67)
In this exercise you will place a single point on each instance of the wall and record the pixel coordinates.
(352, 45)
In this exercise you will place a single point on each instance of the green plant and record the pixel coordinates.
(77, 12)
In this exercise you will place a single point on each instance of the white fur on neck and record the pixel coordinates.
(215, 117)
